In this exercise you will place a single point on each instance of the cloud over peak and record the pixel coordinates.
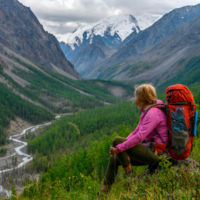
(61, 16)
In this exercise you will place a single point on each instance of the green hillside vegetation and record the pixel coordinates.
(12, 105)
(79, 175)
(98, 92)
(42, 83)
(28, 93)
(129, 89)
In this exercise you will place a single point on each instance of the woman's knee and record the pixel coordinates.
(116, 141)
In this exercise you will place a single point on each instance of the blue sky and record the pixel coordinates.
(61, 16)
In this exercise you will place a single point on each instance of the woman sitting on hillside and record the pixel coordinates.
(131, 151)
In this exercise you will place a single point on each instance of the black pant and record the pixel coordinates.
(139, 155)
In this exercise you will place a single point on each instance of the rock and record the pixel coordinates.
(17, 126)
(189, 162)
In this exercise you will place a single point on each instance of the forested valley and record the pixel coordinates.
(46, 93)
(72, 155)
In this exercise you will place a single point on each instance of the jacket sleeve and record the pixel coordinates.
(135, 131)
(150, 121)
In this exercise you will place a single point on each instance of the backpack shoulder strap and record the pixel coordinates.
(161, 106)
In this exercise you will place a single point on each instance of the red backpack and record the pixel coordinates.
(179, 109)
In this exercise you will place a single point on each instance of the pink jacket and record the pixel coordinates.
(153, 119)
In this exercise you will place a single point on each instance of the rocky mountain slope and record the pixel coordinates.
(92, 55)
(172, 56)
(119, 66)
(21, 32)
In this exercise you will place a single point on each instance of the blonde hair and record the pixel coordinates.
(147, 95)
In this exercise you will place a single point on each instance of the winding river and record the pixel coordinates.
(27, 158)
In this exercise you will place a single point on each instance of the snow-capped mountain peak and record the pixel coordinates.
(146, 21)
(122, 25)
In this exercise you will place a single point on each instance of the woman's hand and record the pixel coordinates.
(113, 151)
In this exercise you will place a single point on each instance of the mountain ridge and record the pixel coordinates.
(22, 32)
(113, 31)
(146, 39)
(123, 25)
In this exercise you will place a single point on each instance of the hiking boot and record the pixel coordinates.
(104, 191)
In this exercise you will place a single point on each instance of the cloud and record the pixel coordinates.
(61, 16)
(59, 27)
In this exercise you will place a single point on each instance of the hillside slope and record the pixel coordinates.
(35, 94)
(92, 55)
(170, 56)
(53, 90)
(167, 59)
(21, 32)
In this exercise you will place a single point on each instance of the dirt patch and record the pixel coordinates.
(100, 84)
(60, 71)
(17, 126)
(16, 78)
(117, 91)
(131, 98)
(12, 63)
(106, 103)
